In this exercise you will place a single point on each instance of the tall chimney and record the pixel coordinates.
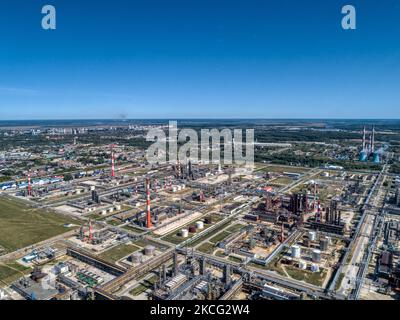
(112, 162)
(364, 142)
(148, 218)
(373, 140)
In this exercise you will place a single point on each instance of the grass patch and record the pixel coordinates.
(22, 225)
(143, 286)
(219, 237)
(113, 222)
(133, 229)
(10, 272)
(236, 227)
(315, 278)
(118, 252)
(206, 247)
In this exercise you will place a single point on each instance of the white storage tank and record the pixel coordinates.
(184, 233)
(312, 235)
(314, 267)
(149, 250)
(316, 255)
(200, 225)
(136, 257)
(296, 251)
(118, 207)
(302, 265)
(92, 188)
(104, 212)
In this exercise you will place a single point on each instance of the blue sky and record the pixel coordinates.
(199, 59)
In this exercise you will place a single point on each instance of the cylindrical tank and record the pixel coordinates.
(92, 188)
(324, 244)
(316, 255)
(363, 156)
(302, 265)
(184, 233)
(136, 257)
(200, 225)
(296, 251)
(104, 212)
(376, 158)
(149, 250)
(118, 207)
(312, 235)
(314, 268)
(192, 229)
(174, 189)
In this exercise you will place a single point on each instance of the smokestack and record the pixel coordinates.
(148, 218)
(112, 162)
(373, 140)
(364, 142)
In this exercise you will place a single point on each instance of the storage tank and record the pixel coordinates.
(324, 244)
(296, 251)
(312, 235)
(316, 255)
(200, 225)
(149, 250)
(118, 207)
(314, 268)
(92, 188)
(136, 257)
(302, 265)
(376, 158)
(192, 229)
(184, 233)
(363, 156)
(104, 212)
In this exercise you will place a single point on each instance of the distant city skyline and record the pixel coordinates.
(182, 59)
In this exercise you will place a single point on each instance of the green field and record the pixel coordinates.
(143, 286)
(11, 271)
(219, 237)
(118, 252)
(22, 225)
(206, 247)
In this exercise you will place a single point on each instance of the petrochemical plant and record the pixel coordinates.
(196, 231)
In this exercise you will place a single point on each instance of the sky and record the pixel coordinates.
(199, 59)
